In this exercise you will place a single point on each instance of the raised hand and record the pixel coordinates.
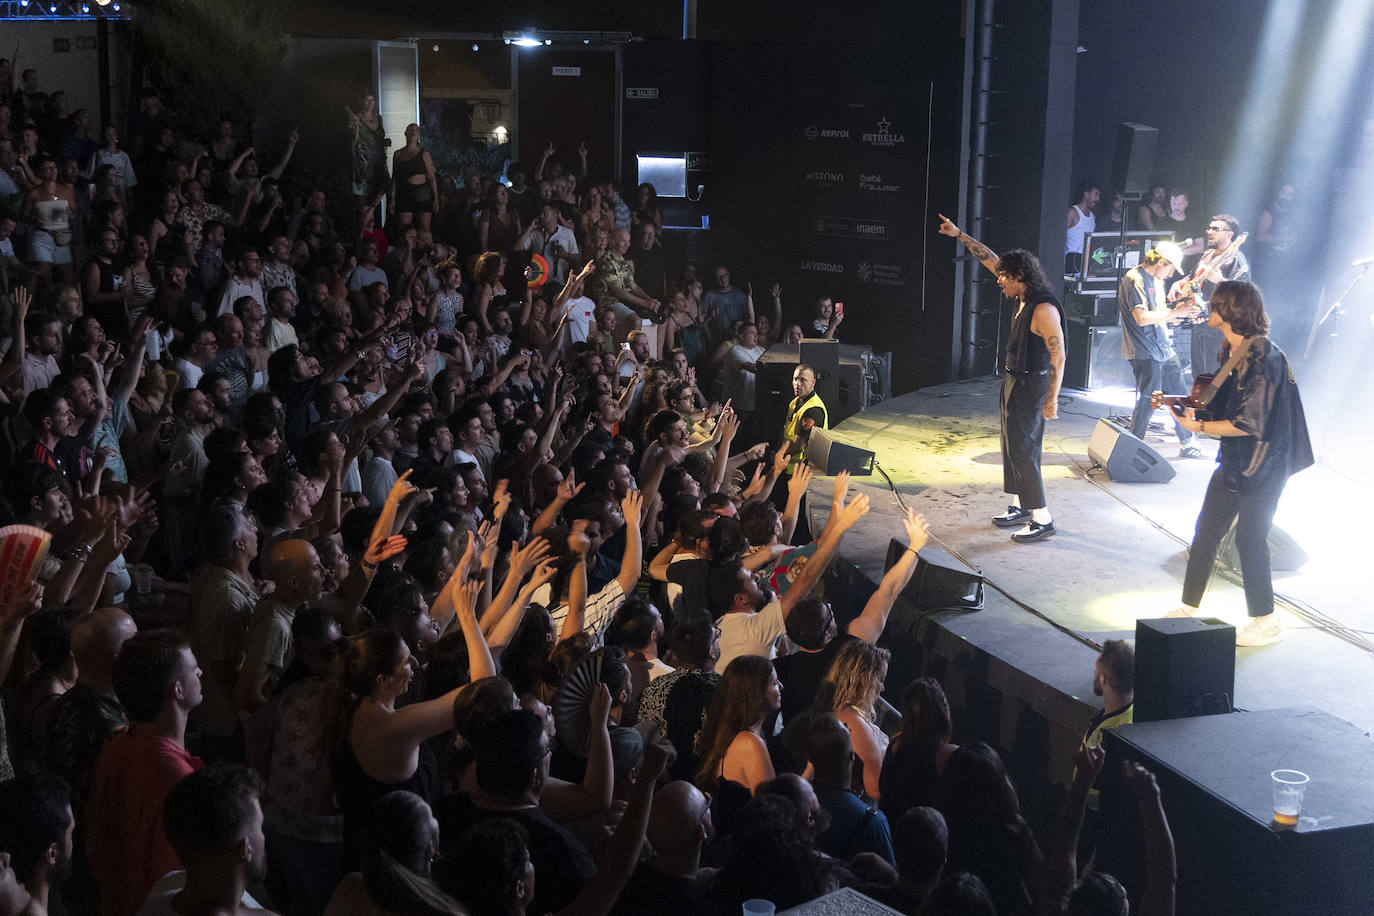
(728, 426)
(755, 487)
(947, 226)
(850, 514)
(1088, 763)
(569, 487)
(631, 506)
(600, 707)
(384, 549)
(531, 555)
(400, 489)
(917, 532)
(841, 487)
(578, 542)
(801, 479)
(500, 500)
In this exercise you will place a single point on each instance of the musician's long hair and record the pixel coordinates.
(1239, 304)
(1024, 267)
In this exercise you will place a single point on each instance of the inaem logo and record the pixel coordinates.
(884, 135)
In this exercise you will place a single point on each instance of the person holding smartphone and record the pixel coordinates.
(827, 318)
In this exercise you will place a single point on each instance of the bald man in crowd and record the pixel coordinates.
(679, 827)
(298, 574)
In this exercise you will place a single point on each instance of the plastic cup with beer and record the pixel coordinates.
(1289, 786)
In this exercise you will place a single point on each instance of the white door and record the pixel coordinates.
(396, 80)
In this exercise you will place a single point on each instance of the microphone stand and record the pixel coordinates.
(1335, 309)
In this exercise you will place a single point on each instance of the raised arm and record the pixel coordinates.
(985, 255)
(825, 550)
(1061, 861)
(14, 357)
(280, 167)
(869, 625)
(1161, 866)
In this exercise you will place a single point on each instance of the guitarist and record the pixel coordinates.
(1258, 415)
(1222, 230)
(1145, 339)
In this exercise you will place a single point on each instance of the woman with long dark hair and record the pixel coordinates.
(734, 757)
(987, 834)
(377, 747)
(919, 752)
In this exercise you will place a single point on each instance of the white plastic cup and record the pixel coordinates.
(758, 907)
(143, 578)
(1289, 786)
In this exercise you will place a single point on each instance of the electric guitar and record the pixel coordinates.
(1193, 399)
(1191, 294)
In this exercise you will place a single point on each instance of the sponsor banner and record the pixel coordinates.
(875, 182)
(880, 274)
(814, 132)
(822, 267)
(873, 230)
(824, 177)
(884, 135)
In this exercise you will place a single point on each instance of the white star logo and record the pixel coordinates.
(884, 124)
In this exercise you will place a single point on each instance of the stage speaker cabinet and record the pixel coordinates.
(1125, 458)
(940, 581)
(824, 356)
(829, 456)
(1284, 553)
(1094, 354)
(1184, 666)
(1134, 163)
(773, 390)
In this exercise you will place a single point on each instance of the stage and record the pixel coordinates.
(1118, 555)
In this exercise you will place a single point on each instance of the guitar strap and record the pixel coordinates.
(1227, 368)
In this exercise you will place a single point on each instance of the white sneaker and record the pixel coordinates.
(1259, 632)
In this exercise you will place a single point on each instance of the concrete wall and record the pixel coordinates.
(75, 69)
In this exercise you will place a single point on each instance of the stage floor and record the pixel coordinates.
(1119, 552)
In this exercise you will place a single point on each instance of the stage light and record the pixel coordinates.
(24, 3)
(436, 48)
(525, 42)
(474, 46)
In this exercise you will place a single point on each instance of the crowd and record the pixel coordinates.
(384, 579)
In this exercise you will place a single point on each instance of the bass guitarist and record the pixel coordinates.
(1257, 414)
(1222, 230)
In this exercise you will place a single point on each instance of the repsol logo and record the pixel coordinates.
(813, 132)
(823, 267)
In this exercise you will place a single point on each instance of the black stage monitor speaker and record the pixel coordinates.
(1284, 553)
(823, 356)
(1134, 163)
(1184, 666)
(829, 456)
(940, 582)
(1125, 458)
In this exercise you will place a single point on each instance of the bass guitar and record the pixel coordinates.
(1192, 290)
